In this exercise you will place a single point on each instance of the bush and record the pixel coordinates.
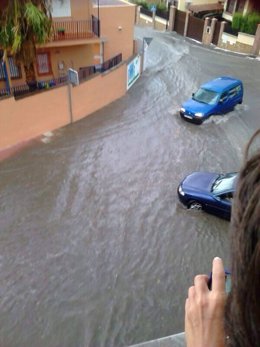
(142, 3)
(161, 7)
(252, 21)
(237, 21)
(246, 24)
(148, 4)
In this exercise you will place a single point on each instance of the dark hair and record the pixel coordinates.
(242, 315)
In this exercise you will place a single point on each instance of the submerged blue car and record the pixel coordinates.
(210, 192)
(218, 96)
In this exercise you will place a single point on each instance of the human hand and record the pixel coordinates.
(204, 309)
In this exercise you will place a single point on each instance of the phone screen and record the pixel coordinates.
(227, 281)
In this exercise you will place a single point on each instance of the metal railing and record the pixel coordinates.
(37, 86)
(111, 62)
(33, 87)
(146, 12)
(73, 29)
(85, 72)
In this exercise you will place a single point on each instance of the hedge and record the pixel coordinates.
(246, 24)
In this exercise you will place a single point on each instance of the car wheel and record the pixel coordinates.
(195, 205)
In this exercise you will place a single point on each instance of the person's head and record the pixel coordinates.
(243, 305)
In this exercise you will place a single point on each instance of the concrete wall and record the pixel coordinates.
(27, 118)
(21, 120)
(117, 28)
(243, 43)
(97, 92)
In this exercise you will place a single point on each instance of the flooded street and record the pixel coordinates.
(95, 249)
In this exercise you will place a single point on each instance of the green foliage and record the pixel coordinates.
(237, 21)
(161, 7)
(142, 3)
(23, 24)
(252, 22)
(246, 24)
(37, 22)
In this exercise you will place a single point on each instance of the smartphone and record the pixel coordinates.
(227, 281)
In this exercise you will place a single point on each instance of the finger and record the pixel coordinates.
(201, 283)
(191, 293)
(187, 304)
(218, 275)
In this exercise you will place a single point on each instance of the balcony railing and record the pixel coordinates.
(71, 30)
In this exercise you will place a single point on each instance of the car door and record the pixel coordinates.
(223, 104)
(224, 204)
(220, 205)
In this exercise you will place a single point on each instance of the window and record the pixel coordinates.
(43, 64)
(2, 71)
(234, 91)
(15, 69)
(231, 6)
(240, 5)
(61, 8)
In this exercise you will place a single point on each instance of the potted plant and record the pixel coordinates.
(61, 32)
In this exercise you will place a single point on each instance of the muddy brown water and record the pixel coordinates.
(95, 249)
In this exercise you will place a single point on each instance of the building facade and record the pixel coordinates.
(84, 35)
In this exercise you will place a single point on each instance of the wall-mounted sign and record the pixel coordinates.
(73, 77)
(133, 71)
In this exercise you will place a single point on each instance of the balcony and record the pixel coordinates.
(74, 30)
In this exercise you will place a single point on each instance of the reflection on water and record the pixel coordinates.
(95, 248)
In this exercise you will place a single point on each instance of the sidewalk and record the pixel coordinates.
(177, 340)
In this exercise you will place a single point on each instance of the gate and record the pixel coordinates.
(216, 33)
(195, 28)
(179, 22)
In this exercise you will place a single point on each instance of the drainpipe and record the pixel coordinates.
(98, 19)
(101, 52)
(7, 81)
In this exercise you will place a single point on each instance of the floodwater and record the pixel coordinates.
(95, 249)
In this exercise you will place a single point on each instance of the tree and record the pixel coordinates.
(23, 25)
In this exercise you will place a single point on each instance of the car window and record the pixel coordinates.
(206, 96)
(224, 183)
(223, 97)
(228, 197)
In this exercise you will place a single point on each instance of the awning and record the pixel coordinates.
(206, 8)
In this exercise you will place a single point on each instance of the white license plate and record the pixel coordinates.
(186, 116)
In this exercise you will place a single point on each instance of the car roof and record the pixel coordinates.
(221, 84)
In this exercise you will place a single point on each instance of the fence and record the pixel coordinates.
(146, 12)
(84, 73)
(49, 110)
(33, 87)
(68, 30)
(195, 28)
(111, 62)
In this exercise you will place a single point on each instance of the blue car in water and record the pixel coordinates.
(210, 192)
(218, 96)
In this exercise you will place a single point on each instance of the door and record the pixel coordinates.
(220, 205)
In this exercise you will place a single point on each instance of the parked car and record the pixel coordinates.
(218, 96)
(210, 192)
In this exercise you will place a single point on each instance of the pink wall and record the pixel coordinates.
(97, 92)
(117, 27)
(27, 118)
